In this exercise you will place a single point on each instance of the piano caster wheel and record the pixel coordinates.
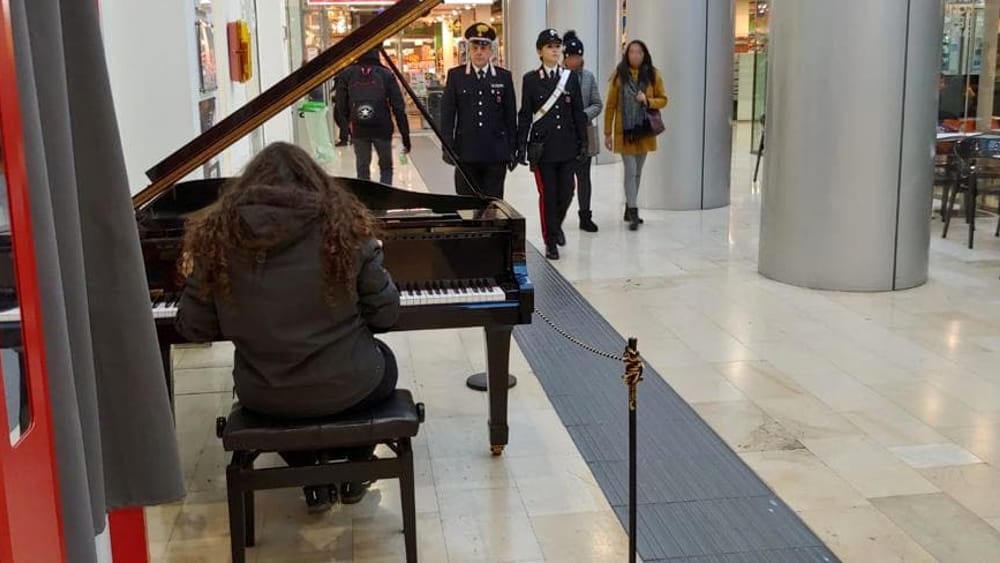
(496, 450)
(477, 381)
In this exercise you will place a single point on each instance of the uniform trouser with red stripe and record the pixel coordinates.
(555, 194)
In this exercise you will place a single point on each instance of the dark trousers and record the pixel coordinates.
(363, 154)
(343, 127)
(583, 184)
(488, 176)
(555, 191)
(382, 392)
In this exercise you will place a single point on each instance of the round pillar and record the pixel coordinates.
(598, 24)
(846, 192)
(523, 21)
(691, 42)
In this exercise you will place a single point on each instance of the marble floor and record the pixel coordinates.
(875, 416)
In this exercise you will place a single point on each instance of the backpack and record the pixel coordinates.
(369, 100)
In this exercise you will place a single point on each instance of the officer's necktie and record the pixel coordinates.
(482, 74)
(552, 74)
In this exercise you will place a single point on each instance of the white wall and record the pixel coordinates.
(273, 47)
(151, 54)
(153, 64)
(230, 95)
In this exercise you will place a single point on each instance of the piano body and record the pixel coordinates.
(458, 261)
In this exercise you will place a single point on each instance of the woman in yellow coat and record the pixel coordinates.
(635, 87)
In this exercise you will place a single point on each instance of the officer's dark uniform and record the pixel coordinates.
(564, 133)
(479, 120)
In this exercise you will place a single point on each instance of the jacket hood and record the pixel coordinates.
(370, 58)
(277, 216)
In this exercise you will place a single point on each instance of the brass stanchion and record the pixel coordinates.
(632, 377)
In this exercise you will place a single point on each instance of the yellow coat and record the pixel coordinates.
(657, 98)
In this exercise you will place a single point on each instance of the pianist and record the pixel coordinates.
(286, 266)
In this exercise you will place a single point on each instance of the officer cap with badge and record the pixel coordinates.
(548, 37)
(481, 33)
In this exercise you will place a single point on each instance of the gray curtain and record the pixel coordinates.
(113, 428)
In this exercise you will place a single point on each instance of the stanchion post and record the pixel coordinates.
(632, 377)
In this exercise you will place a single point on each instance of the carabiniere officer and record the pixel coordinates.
(479, 116)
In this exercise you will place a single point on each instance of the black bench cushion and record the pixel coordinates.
(394, 418)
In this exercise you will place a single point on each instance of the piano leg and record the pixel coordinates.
(497, 368)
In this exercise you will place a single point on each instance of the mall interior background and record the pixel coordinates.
(170, 90)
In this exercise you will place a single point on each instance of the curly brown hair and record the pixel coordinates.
(218, 236)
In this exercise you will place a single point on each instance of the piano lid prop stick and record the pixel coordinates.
(632, 377)
(434, 126)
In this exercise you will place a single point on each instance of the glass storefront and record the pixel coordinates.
(964, 43)
(424, 51)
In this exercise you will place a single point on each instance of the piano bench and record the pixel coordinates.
(247, 435)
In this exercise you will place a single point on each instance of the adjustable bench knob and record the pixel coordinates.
(220, 426)
(420, 412)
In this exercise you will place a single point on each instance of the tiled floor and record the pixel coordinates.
(875, 416)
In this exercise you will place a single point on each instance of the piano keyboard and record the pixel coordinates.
(449, 292)
(160, 311)
(410, 295)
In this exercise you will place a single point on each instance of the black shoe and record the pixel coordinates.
(340, 144)
(320, 498)
(633, 219)
(626, 217)
(352, 492)
(561, 238)
(586, 224)
(552, 252)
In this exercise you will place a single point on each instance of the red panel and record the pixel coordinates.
(30, 520)
(128, 536)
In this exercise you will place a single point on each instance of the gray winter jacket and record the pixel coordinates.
(296, 354)
(592, 103)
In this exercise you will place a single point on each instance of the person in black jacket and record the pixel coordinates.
(479, 116)
(286, 265)
(552, 136)
(367, 97)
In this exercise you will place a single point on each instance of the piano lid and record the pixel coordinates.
(280, 96)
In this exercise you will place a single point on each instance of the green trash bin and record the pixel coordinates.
(318, 130)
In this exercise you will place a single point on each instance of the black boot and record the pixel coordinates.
(551, 252)
(633, 219)
(586, 224)
(627, 219)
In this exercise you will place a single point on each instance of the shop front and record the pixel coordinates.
(424, 51)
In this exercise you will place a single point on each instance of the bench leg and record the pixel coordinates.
(248, 502)
(408, 496)
(237, 514)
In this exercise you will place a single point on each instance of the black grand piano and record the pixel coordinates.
(458, 261)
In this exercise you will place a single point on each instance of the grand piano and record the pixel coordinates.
(458, 261)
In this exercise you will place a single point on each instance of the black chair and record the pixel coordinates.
(976, 160)
(247, 435)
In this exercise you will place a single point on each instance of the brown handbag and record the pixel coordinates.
(655, 121)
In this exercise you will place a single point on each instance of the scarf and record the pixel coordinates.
(634, 124)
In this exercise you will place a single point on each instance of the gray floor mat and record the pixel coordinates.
(698, 501)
